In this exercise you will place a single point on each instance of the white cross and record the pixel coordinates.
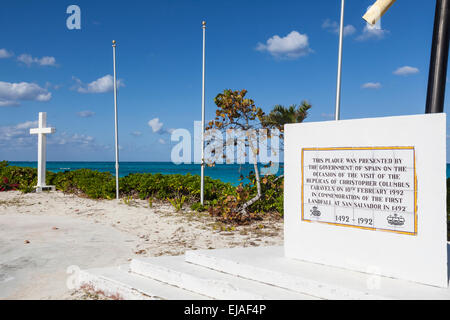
(42, 131)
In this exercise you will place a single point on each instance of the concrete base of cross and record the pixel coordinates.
(45, 188)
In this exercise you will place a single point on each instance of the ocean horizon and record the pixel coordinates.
(224, 172)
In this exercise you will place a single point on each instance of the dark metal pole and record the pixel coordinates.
(439, 57)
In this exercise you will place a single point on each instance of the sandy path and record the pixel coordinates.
(43, 234)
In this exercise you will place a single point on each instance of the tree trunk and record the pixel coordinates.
(258, 188)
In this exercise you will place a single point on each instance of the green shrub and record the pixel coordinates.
(23, 178)
(197, 206)
(177, 203)
(178, 188)
(93, 184)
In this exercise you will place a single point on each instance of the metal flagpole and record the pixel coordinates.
(437, 77)
(116, 120)
(203, 118)
(339, 73)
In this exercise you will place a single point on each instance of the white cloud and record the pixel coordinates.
(12, 93)
(333, 26)
(86, 114)
(327, 115)
(27, 125)
(406, 70)
(9, 103)
(5, 54)
(17, 135)
(80, 140)
(44, 61)
(136, 133)
(349, 30)
(371, 85)
(47, 61)
(49, 85)
(162, 141)
(372, 32)
(155, 124)
(101, 85)
(294, 45)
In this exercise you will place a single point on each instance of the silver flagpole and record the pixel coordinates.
(203, 118)
(338, 89)
(116, 120)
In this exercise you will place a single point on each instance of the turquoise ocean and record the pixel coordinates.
(225, 172)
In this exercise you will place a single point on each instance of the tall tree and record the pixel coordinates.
(237, 112)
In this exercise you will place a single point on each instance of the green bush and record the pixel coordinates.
(24, 178)
(93, 184)
(197, 206)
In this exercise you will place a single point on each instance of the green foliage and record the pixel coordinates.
(174, 186)
(3, 164)
(5, 185)
(150, 202)
(272, 196)
(280, 115)
(23, 178)
(235, 111)
(226, 208)
(177, 189)
(197, 206)
(93, 184)
(177, 203)
(127, 200)
(101, 185)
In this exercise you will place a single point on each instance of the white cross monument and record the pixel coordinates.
(42, 131)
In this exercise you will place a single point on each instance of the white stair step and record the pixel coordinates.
(175, 271)
(268, 265)
(119, 282)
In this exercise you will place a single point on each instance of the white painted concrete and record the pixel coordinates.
(119, 282)
(255, 273)
(420, 258)
(268, 265)
(42, 132)
(218, 285)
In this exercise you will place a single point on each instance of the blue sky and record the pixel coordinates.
(282, 52)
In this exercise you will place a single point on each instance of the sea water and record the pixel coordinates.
(225, 172)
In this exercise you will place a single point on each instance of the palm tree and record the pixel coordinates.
(280, 115)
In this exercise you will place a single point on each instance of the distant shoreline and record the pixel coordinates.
(225, 172)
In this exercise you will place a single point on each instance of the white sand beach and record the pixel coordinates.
(42, 234)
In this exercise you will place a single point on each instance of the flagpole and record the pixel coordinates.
(116, 120)
(203, 117)
(437, 77)
(339, 73)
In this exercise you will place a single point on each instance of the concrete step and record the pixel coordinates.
(175, 271)
(119, 282)
(268, 265)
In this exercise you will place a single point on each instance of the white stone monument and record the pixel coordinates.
(42, 131)
(369, 195)
(365, 218)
